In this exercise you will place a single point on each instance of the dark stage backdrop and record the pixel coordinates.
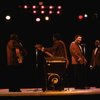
(31, 32)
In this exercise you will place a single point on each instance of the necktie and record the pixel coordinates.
(95, 51)
(81, 48)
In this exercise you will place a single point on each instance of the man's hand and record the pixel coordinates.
(91, 67)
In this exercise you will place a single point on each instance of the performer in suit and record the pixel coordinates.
(14, 60)
(78, 62)
(57, 50)
(95, 64)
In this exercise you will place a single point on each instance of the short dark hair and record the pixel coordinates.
(97, 40)
(78, 35)
(13, 36)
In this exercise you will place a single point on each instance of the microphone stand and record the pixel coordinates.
(84, 65)
(36, 53)
(37, 65)
(36, 58)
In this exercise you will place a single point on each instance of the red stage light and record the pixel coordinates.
(80, 17)
(25, 6)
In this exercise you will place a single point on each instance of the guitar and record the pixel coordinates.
(19, 55)
(40, 47)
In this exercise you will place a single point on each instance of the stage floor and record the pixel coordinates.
(39, 92)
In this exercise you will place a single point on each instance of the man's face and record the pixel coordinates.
(78, 39)
(97, 42)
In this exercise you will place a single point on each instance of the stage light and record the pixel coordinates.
(85, 15)
(40, 3)
(38, 19)
(42, 7)
(8, 17)
(80, 17)
(46, 18)
(59, 7)
(50, 7)
(34, 11)
(50, 12)
(34, 7)
(25, 6)
(58, 12)
(42, 12)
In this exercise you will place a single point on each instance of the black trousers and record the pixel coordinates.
(78, 75)
(14, 76)
(95, 76)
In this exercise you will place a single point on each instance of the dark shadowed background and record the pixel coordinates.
(31, 32)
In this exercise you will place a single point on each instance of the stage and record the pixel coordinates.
(38, 92)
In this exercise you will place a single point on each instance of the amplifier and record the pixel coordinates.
(56, 65)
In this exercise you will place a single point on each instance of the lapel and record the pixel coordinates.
(97, 50)
(79, 47)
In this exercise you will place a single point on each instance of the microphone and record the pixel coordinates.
(20, 44)
(83, 44)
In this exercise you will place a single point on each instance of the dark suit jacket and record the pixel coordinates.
(58, 50)
(95, 60)
(12, 57)
(11, 54)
